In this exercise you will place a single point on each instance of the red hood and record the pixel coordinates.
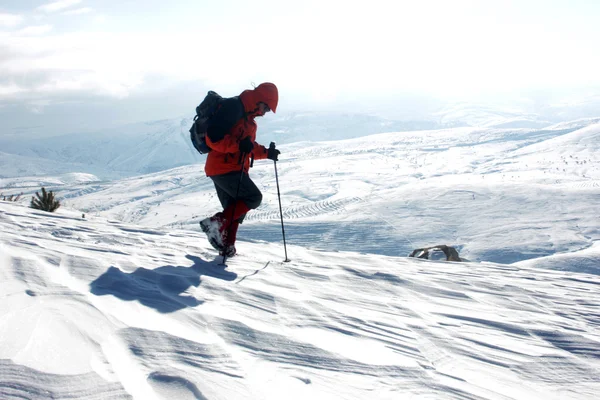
(265, 92)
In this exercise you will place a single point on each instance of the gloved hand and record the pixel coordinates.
(273, 153)
(246, 145)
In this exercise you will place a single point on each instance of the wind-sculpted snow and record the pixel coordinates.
(20, 382)
(586, 260)
(95, 309)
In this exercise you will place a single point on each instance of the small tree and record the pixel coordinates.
(45, 202)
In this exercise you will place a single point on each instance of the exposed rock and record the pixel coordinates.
(450, 252)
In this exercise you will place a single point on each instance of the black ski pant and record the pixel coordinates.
(227, 187)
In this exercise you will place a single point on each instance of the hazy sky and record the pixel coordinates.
(81, 63)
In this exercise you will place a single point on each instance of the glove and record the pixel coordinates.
(273, 153)
(246, 145)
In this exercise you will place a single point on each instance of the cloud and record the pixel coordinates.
(35, 30)
(9, 90)
(101, 64)
(384, 57)
(79, 11)
(10, 20)
(58, 5)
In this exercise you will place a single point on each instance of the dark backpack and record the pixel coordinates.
(204, 112)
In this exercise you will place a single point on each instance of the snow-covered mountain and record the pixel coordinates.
(321, 126)
(137, 149)
(142, 148)
(462, 114)
(498, 195)
(132, 149)
(573, 106)
(100, 309)
(118, 295)
(12, 165)
(533, 110)
(575, 124)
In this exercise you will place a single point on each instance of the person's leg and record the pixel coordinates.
(229, 249)
(248, 197)
(222, 227)
(224, 198)
(215, 226)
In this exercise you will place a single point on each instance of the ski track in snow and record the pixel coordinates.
(314, 209)
(93, 309)
(588, 184)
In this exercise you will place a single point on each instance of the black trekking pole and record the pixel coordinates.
(272, 146)
(237, 193)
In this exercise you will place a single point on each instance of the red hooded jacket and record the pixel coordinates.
(225, 156)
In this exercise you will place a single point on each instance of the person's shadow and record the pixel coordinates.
(161, 288)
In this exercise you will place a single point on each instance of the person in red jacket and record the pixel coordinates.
(231, 135)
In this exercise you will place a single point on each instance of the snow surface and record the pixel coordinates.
(100, 309)
(118, 295)
(482, 116)
(498, 195)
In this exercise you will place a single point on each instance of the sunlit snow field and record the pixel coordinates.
(118, 294)
(497, 195)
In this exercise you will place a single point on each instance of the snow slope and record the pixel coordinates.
(142, 148)
(13, 166)
(100, 309)
(127, 150)
(489, 116)
(498, 195)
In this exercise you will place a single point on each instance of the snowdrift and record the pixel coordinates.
(100, 309)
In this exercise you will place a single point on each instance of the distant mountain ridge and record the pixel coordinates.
(148, 147)
(476, 188)
(133, 149)
(143, 148)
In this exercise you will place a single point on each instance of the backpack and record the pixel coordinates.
(204, 112)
